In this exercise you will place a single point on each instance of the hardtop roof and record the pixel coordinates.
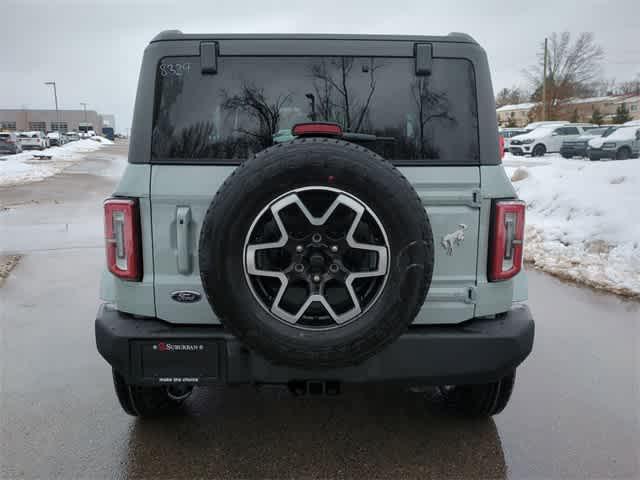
(172, 35)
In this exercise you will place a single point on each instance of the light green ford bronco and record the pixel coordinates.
(313, 210)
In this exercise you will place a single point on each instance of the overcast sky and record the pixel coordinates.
(93, 49)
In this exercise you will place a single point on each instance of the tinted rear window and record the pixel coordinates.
(252, 103)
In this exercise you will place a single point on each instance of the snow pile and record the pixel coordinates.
(25, 167)
(102, 140)
(583, 219)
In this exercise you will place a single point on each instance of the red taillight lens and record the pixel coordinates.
(122, 237)
(317, 128)
(507, 237)
(501, 142)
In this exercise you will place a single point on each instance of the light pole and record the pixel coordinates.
(544, 82)
(84, 107)
(55, 97)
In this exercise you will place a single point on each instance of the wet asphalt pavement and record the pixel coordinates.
(575, 411)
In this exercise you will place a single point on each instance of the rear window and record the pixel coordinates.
(252, 103)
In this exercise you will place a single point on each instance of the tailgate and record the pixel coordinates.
(181, 195)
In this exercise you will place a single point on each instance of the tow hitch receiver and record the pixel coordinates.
(301, 388)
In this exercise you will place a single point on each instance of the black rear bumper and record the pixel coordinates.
(149, 351)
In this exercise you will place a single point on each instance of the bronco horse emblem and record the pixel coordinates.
(453, 239)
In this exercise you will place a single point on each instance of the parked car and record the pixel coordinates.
(107, 132)
(86, 130)
(72, 136)
(56, 139)
(308, 263)
(9, 143)
(33, 140)
(544, 139)
(509, 133)
(622, 144)
(579, 146)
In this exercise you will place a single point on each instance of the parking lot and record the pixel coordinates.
(574, 412)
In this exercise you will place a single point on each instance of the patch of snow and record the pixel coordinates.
(583, 222)
(519, 106)
(103, 140)
(576, 101)
(25, 168)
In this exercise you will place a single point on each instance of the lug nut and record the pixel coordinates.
(334, 248)
(298, 267)
(299, 248)
(316, 278)
(316, 238)
(333, 268)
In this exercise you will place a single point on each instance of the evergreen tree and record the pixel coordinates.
(622, 114)
(574, 117)
(596, 117)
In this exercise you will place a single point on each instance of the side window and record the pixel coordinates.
(571, 131)
(559, 131)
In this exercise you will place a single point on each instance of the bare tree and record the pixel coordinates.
(510, 96)
(602, 88)
(324, 92)
(336, 98)
(265, 112)
(631, 87)
(572, 68)
(430, 105)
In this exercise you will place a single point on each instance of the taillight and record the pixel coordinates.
(501, 142)
(317, 128)
(507, 235)
(122, 237)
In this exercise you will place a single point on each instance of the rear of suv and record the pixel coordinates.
(313, 210)
(33, 140)
(9, 143)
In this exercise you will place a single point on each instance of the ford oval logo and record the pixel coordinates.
(186, 296)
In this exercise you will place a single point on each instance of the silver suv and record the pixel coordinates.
(312, 210)
(622, 144)
(9, 143)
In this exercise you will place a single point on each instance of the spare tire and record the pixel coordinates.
(316, 253)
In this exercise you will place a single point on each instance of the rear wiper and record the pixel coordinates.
(365, 137)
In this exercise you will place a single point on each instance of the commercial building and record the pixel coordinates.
(49, 120)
